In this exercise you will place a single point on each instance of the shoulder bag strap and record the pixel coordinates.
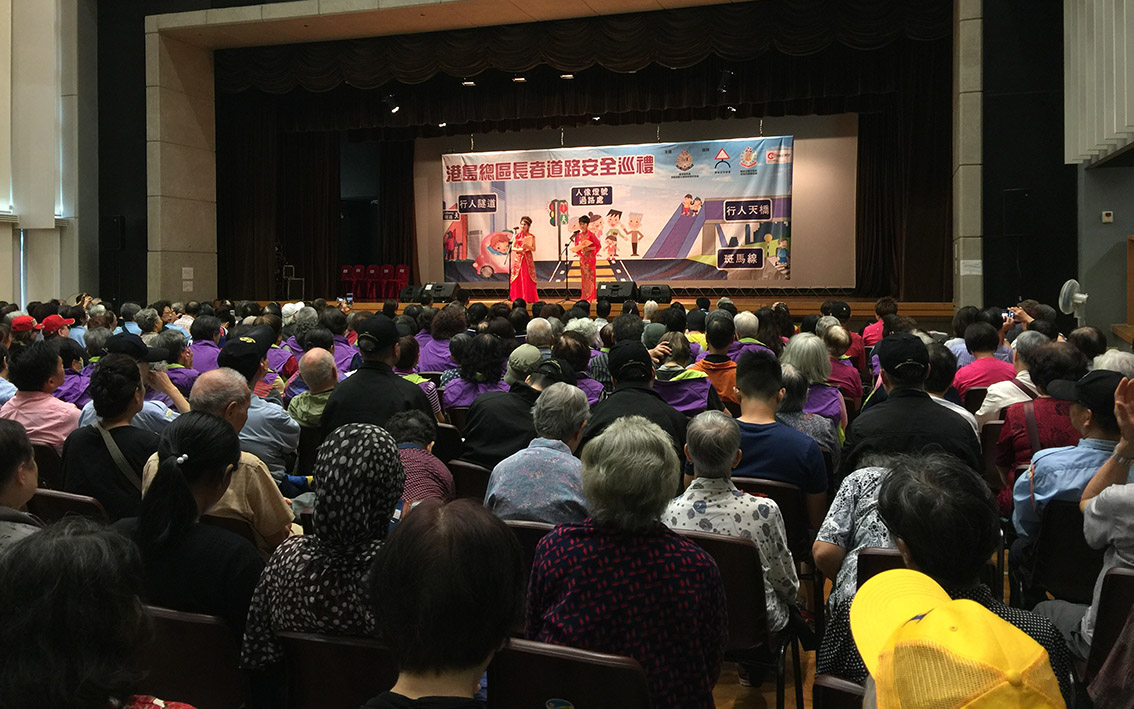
(1030, 394)
(119, 459)
(1033, 429)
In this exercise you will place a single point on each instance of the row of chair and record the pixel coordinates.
(374, 282)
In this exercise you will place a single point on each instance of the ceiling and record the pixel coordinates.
(324, 20)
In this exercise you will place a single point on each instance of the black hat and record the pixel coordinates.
(903, 353)
(245, 353)
(557, 370)
(131, 345)
(1094, 391)
(630, 356)
(376, 333)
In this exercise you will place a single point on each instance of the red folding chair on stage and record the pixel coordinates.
(372, 284)
(346, 280)
(387, 283)
(400, 281)
(359, 276)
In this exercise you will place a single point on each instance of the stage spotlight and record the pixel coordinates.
(442, 125)
(391, 103)
(726, 79)
(468, 82)
(567, 76)
(518, 80)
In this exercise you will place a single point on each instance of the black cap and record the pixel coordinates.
(628, 357)
(131, 345)
(903, 353)
(557, 370)
(1094, 391)
(245, 353)
(376, 333)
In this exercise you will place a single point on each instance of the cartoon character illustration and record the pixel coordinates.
(686, 205)
(684, 161)
(782, 252)
(696, 206)
(494, 254)
(634, 221)
(614, 232)
(769, 248)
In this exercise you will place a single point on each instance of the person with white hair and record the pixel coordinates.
(1114, 360)
(1001, 395)
(808, 354)
(712, 503)
(676, 623)
(319, 373)
(544, 482)
(587, 328)
(540, 336)
(825, 323)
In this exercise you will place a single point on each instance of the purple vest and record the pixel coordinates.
(462, 392)
(277, 359)
(292, 344)
(344, 353)
(435, 356)
(736, 349)
(73, 390)
(183, 379)
(694, 351)
(152, 395)
(592, 388)
(689, 396)
(205, 353)
(823, 400)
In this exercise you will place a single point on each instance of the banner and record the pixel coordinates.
(717, 210)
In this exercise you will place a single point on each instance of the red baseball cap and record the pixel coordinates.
(23, 323)
(52, 323)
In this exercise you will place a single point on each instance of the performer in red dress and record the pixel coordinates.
(523, 263)
(587, 245)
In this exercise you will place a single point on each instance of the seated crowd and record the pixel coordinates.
(309, 468)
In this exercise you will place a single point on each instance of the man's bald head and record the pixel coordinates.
(318, 370)
(222, 392)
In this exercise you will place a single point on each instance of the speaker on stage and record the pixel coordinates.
(441, 292)
(410, 294)
(617, 292)
(659, 294)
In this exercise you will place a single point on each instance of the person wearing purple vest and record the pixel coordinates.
(808, 354)
(425, 324)
(482, 369)
(690, 391)
(73, 390)
(179, 359)
(572, 346)
(747, 325)
(282, 364)
(434, 354)
(206, 333)
(335, 320)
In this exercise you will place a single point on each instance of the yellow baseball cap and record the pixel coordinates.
(926, 650)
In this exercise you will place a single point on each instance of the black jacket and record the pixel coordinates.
(499, 424)
(636, 399)
(371, 395)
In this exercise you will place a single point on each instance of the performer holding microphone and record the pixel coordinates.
(587, 245)
(523, 280)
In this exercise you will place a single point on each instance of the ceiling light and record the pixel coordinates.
(442, 125)
(596, 118)
(518, 80)
(567, 76)
(732, 109)
(468, 82)
(391, 103)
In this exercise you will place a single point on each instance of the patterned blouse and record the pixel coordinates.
(651, 595)
(716, 505)
(853, 524)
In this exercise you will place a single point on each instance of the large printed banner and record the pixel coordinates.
(709, 210)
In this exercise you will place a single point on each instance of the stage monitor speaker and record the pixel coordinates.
(617, 292)
(410, 294)
(659, 294)
(440, 291)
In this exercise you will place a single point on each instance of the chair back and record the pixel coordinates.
(192, 658)
(434, 377)
(458, 416)
(990, 446)
(1065, 565)
(529, 534)
(358, 273)
(974, 397)
(239, 527)
(531, 674)
(469, 479)
(874, 560)
(372, 272)
(52, 506)
(831, 692)
(327, 671)
(386, 272)
(1115, 603)
(793, 508)
(743, 577)
(50, 467)
(310, 438)
(448, 444)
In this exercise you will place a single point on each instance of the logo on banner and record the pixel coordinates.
(748, 158)
(722, 158)
(782, 155)
(684, 161)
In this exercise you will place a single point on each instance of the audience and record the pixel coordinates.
(334, 320)
(7, 388)
(426, 476)
(482, 370)
(573, 348)
(1089, 340)
(73, 390)
(622, 328)
(161, 394)
(872, 333)
(720, 333)
(406, 367)
(690, 391)
(845, 374)
(675, 624)
(808, 354)
(1000, 321)
(105, 460)
(191, 566)
(942, 371)
(790, 413)
(318, 583)
(713, 504)
(981, 342)
(37, 371)
(179, 359)
(456, 557)
(206, 334)
(543, 482)
(1020, 388)
(19, 480)
(435, 355)
(318, 371)
(282, 363)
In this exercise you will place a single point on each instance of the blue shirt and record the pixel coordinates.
(1056, 474)
(773, 451)
(153, 417)
(79, 334)
(270, 434)
(131, 327)
(7, 391)
(541, 483)
(964, 357)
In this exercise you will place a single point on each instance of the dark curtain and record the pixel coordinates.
(622, 43)
(307, 208)
(396, 223)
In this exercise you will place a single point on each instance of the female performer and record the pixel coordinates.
(523, 263)
(587, 246)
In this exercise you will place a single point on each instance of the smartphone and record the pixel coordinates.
(350, 299)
